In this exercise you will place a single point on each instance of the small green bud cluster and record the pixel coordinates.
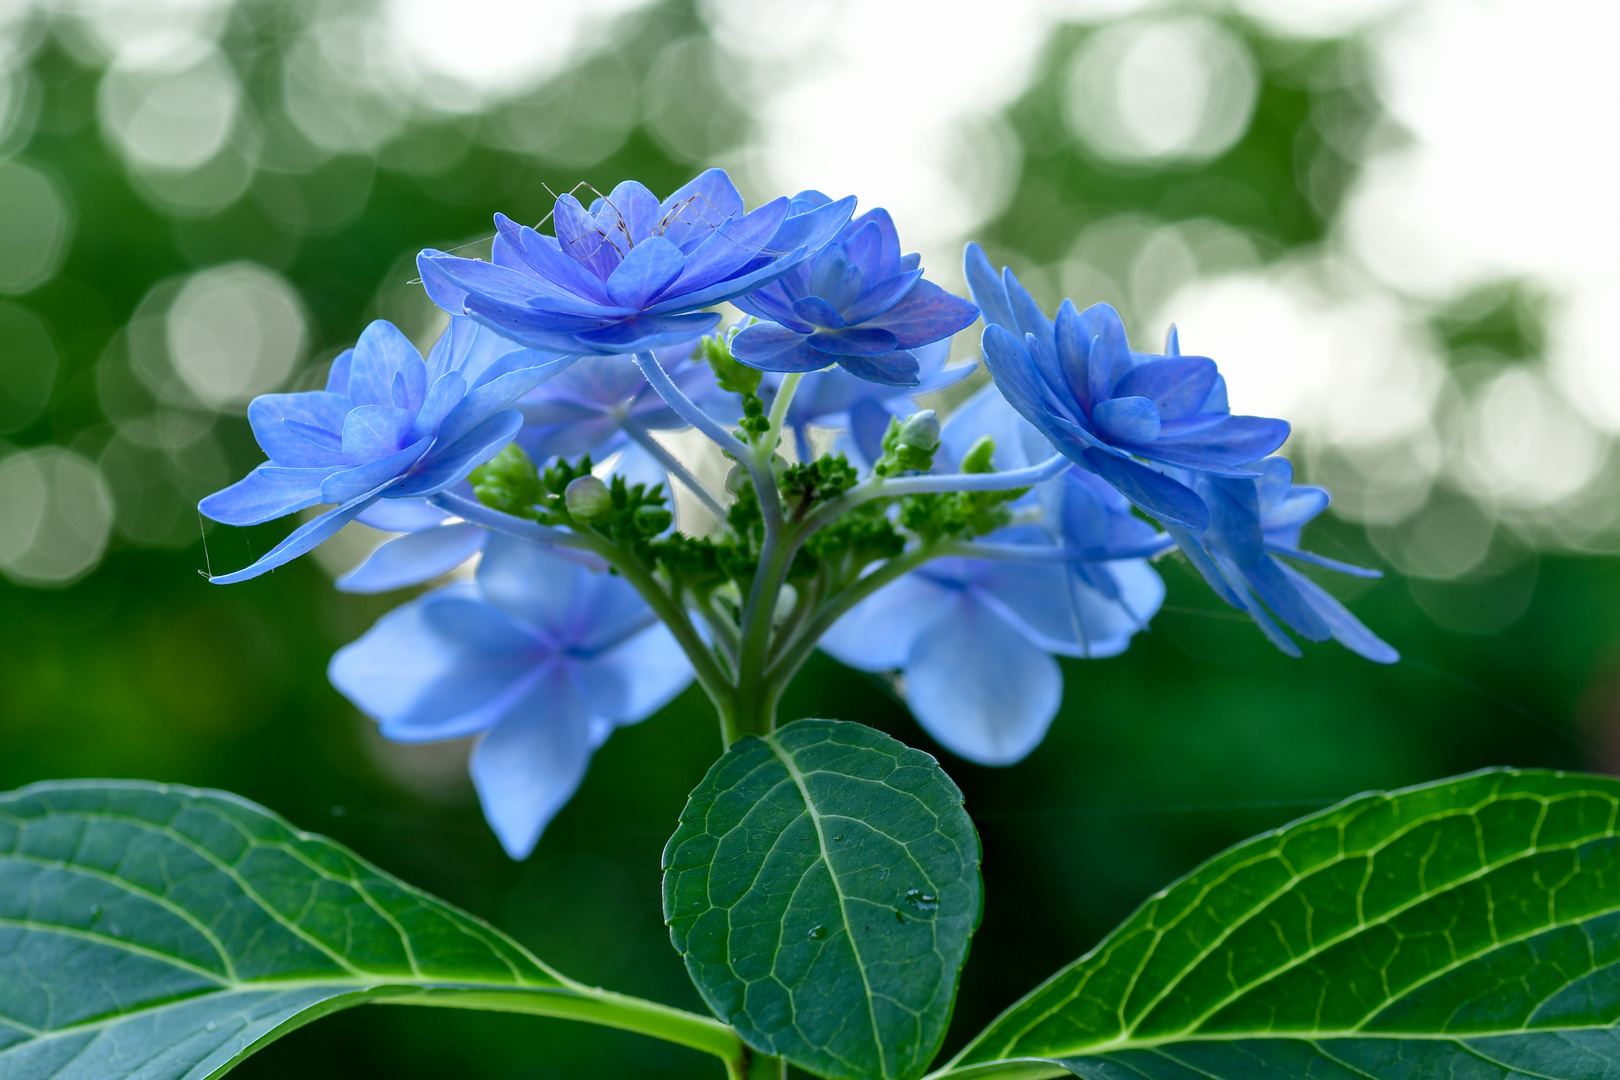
(805, 485)
(909, 446)
(570, 494)
(961, 515)
(737, 378)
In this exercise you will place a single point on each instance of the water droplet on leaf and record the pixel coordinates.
(818, 932)
(211, 1025)
(922, 901)
(839, 836)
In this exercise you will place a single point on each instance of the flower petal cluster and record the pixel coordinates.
(973, 638)
(835, 398)
(1122, 415)
(388, 425)
(631, 272)
(858, 303)
(539, 656)
(1252, 523)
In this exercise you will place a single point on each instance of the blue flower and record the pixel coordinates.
(540, 656)
(630, 273)
(1114, 412)
(434, 543)
(859, 304)
(834, 398)
(1252, 522)
(604, 406)
(973, 637)
(387, 426)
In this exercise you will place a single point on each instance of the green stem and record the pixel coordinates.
(779, 408)
(793, 656)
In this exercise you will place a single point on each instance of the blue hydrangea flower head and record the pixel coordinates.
(835, 398)
(540, 656)
(1122, 415)
(389, 425)
(858, 303)
(630, 273)
(1254, 527)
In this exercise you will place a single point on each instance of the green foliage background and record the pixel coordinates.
(1197, 737)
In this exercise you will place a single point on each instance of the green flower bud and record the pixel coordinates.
(587, 497)
(921, 431)
(977, 459)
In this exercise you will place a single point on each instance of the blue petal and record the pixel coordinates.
(392, 664)
(533, 583)
(988, 290)
(306, 537)
(265, 494)
(1155, 493)
(980, 688)
(898, 368)
(868, 423)
(414, 558)
(402, 515)
(374, 431)
(1234, 442)
(496, 395)
(381, 353)
(817, 311)
(637, 207)
(878, 633)
(452, 464)
(927, 313)
(880, 296)
(861, 341)
(637, 679)
(374, 475)
(337, 377)
(712, 267)
(1347, 629)
(1026, 312)
(268, 413)
(695, 209)
(776, 348)
(1179, 386)
(646, 332)
(529, 766)
(1249, 603)
(1195, 547)
(445, 394)
(558, 275)
(645, 272)
(872, 244)
(1127, 420)
(443, 289)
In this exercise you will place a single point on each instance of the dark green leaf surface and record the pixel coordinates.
(823, 886)
(1468, 928)
(163, 932)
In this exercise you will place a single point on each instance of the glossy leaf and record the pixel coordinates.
(823, 886)
(164, 932)
(1467, 928)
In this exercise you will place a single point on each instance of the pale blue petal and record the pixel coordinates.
(980, 688)
(877, 635)
(1347, 629)
(415, 558)
(651, 265)
(531, 763)
(402, 515)
(632, 682)
(532, 583)
(453, 464)
(391, 664)
(306, 537)
(265, 494)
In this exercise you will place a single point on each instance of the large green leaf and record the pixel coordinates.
(823, 886)
(162, 932)
(1468, 928)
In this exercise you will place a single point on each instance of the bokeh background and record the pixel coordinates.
(1392, 223)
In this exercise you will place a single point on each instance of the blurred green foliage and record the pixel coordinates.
(1199, 736)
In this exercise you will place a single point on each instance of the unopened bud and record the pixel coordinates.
(587, 497)
(977, 459)
(921, 431)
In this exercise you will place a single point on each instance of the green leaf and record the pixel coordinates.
(1467, 928)
(823, 886)
(164, 932)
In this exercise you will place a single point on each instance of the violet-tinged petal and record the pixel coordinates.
(698, 207)
(415, 558)
(637, 207)
(882, 295)
(558, 272)
(857, 341)
(647, 332)
(873, 244)
(817, 311)
(530, 764)
(926, 313)
(776, 348)
(1179, 385)
(584, 239)
(897, 368)
(259, 497)
(980, 688)
(729, 247)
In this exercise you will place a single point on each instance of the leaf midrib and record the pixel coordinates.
(1272, 854)
(797, 777)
